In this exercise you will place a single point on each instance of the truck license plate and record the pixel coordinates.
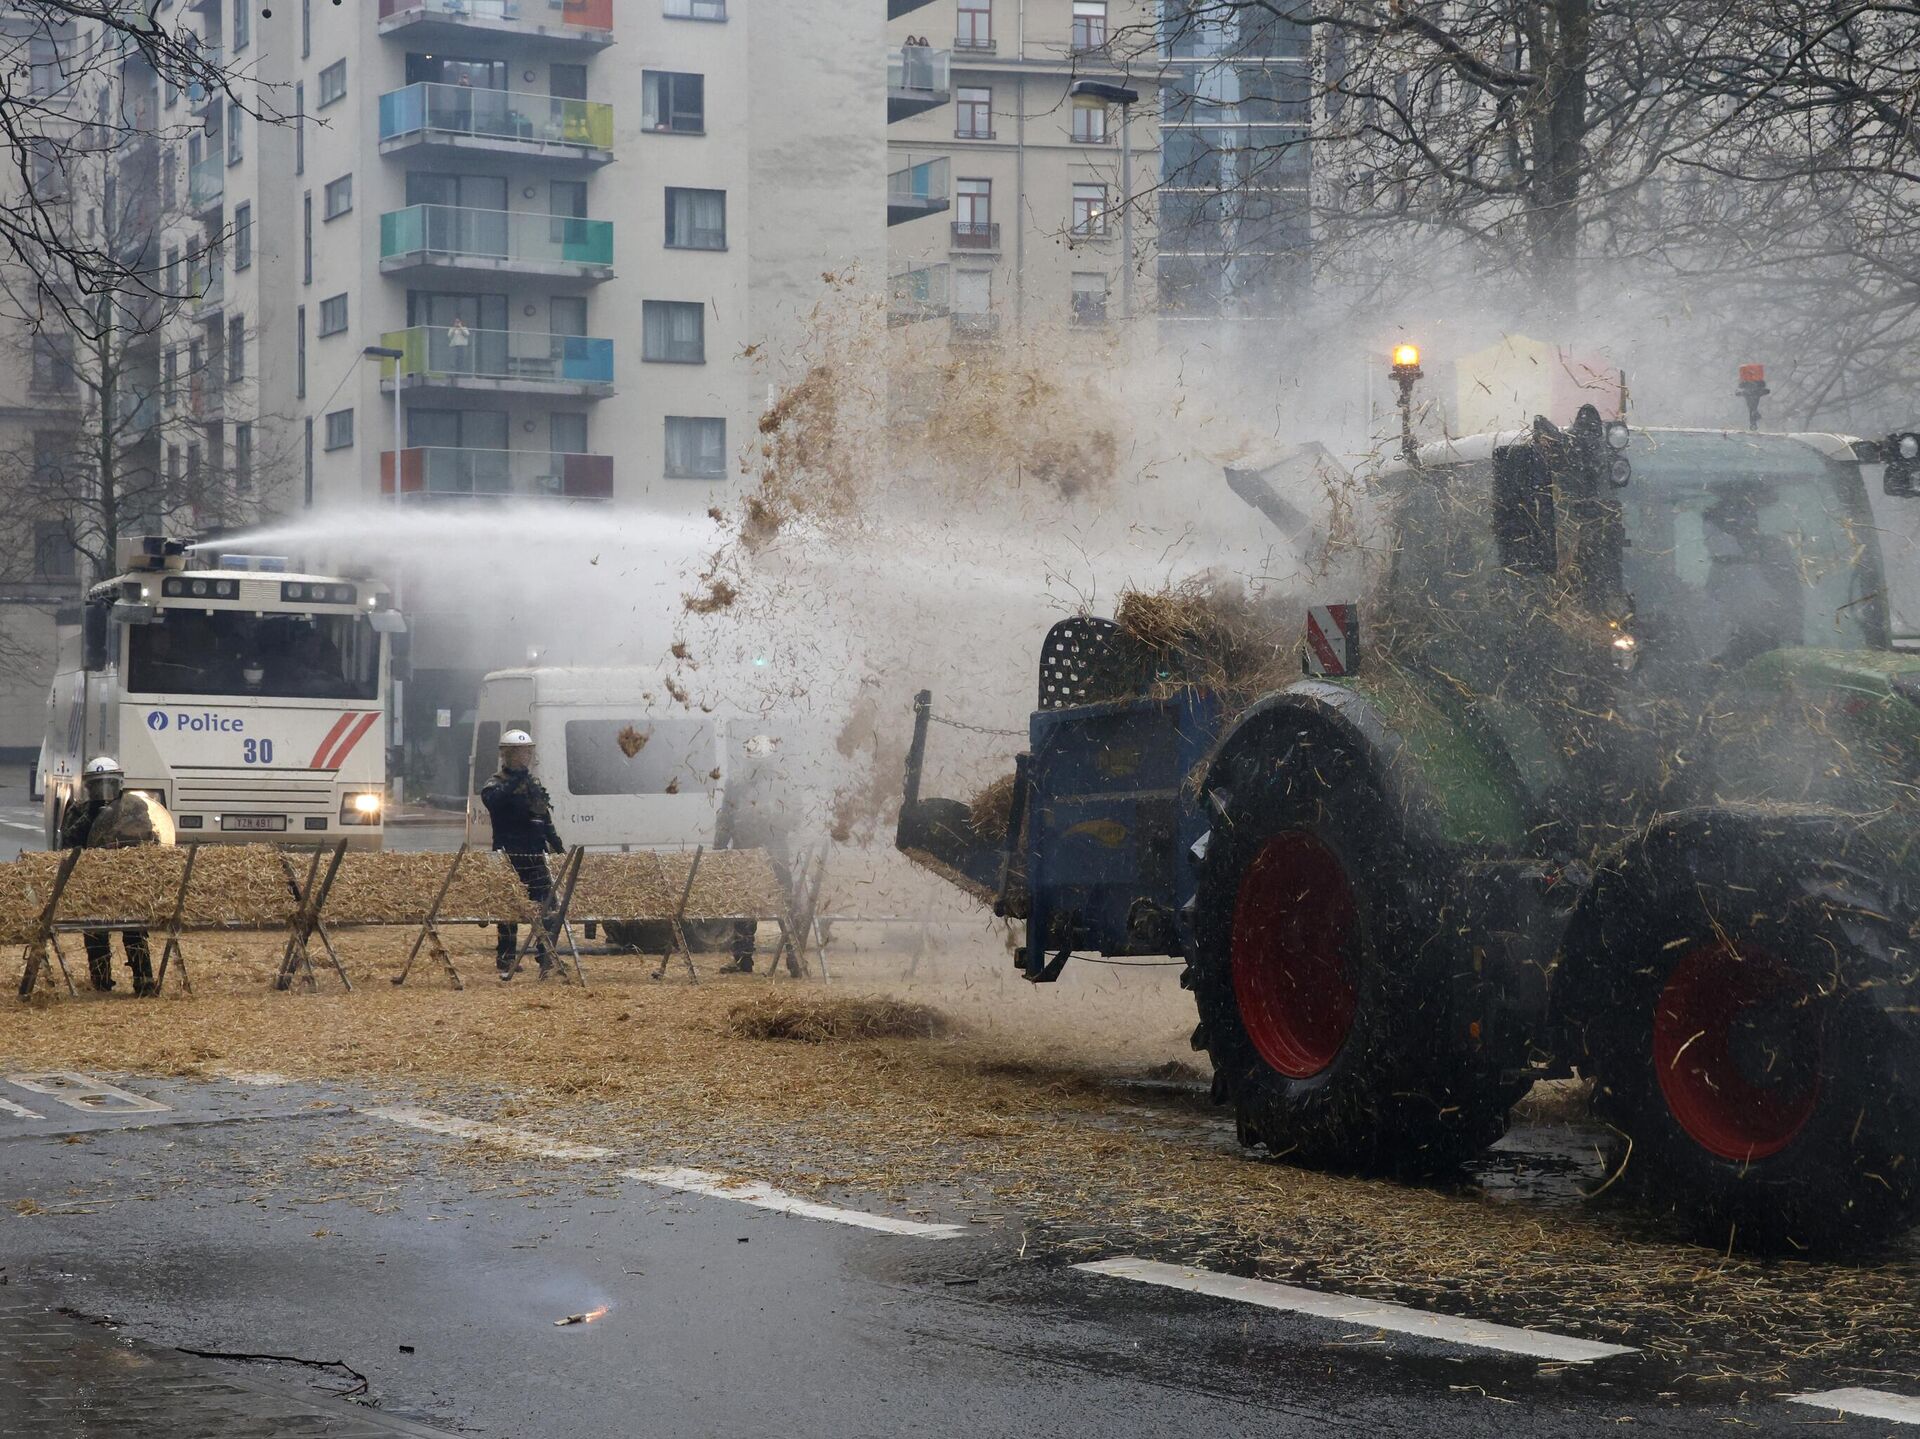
(253, 821)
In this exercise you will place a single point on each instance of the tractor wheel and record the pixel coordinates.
(1748, 997)
(1322, 986)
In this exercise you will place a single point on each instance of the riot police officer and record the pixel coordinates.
(521, 812)
(110, 817)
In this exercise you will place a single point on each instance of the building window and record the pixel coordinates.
(173, 270)
(53, 556)
(1089, 299)
(53, 363)
(1089, 209)
(672, 102)
(339, 429)
(300, 128)
(169, 376)
(236, 349)
(973, 114)
(973, 214)
(567, 433)
(1089, 121)
(333, 315)
(975, 28)
(695, 9)
(674, 332)
(234, 117)
(243, 457)
(339, 197)
(300, 352)
(696, 219)
(306, 463)
(242, 23)
(333, 82)
(306, 37)
(242, 235)
(1089, 24)
(696, 448)
(306, 238)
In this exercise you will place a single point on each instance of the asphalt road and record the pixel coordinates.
(276, 1218)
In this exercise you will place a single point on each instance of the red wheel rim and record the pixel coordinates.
(1293, 925)
(1737, 1040)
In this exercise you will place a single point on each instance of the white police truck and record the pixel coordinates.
(248, 699)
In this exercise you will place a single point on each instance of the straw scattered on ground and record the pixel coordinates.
(816, 1019)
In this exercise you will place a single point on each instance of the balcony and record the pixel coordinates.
(586, 24)
(918, 190)
(209, 287)
(981, 235)
(980, 328)
(919, 79)
(436, 473)
(454, 122)
(502, 362)
(206, 184)
(921, 293)
(446, 238)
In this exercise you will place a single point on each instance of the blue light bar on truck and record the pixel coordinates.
(266, 564)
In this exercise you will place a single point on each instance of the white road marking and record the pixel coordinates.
(520, 1141)
(7, 1106)
(1370, 1313)
(718, 1186)
(22, 824)
(1866, 1403)
(89, 1096)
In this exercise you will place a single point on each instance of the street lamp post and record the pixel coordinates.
(1125, 98)
(396, 719)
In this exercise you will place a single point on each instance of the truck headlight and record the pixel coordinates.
(363, 807)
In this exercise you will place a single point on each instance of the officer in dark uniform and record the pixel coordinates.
(111, 818)
(522, 815)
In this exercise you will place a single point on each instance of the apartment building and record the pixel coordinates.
(1033, 234)
(547, 250)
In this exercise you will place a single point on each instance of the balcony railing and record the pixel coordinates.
(921, 293)
(509, 117)
(437, 354)
(437, 472)
(207, 182)
(975, 328)
(593, 19)
(427, 232)
(919, 78)
(210, 285)
(976, 234)
(918, 189)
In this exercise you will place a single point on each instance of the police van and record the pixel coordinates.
(627, 763)
(248, 699)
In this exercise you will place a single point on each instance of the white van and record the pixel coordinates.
(666, 795)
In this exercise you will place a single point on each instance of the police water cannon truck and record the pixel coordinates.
(1620, 777)
(247, 699)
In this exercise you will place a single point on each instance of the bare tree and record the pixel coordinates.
(146, 389)
(80, 82)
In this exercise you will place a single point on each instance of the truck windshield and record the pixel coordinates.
(236, 653)
(1740, 544)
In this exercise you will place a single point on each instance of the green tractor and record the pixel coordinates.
(1622, 778)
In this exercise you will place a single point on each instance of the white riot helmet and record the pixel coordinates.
(516, 749)
(104, 777)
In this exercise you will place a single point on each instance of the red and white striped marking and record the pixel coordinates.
(347, 732)
(1333, 639)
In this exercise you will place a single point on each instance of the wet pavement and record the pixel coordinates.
(246, 1215)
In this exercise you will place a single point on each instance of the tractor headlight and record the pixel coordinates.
(1618, 434)
(1626, 653)
(1620, 472)
(362, 807)
(1909, 447)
